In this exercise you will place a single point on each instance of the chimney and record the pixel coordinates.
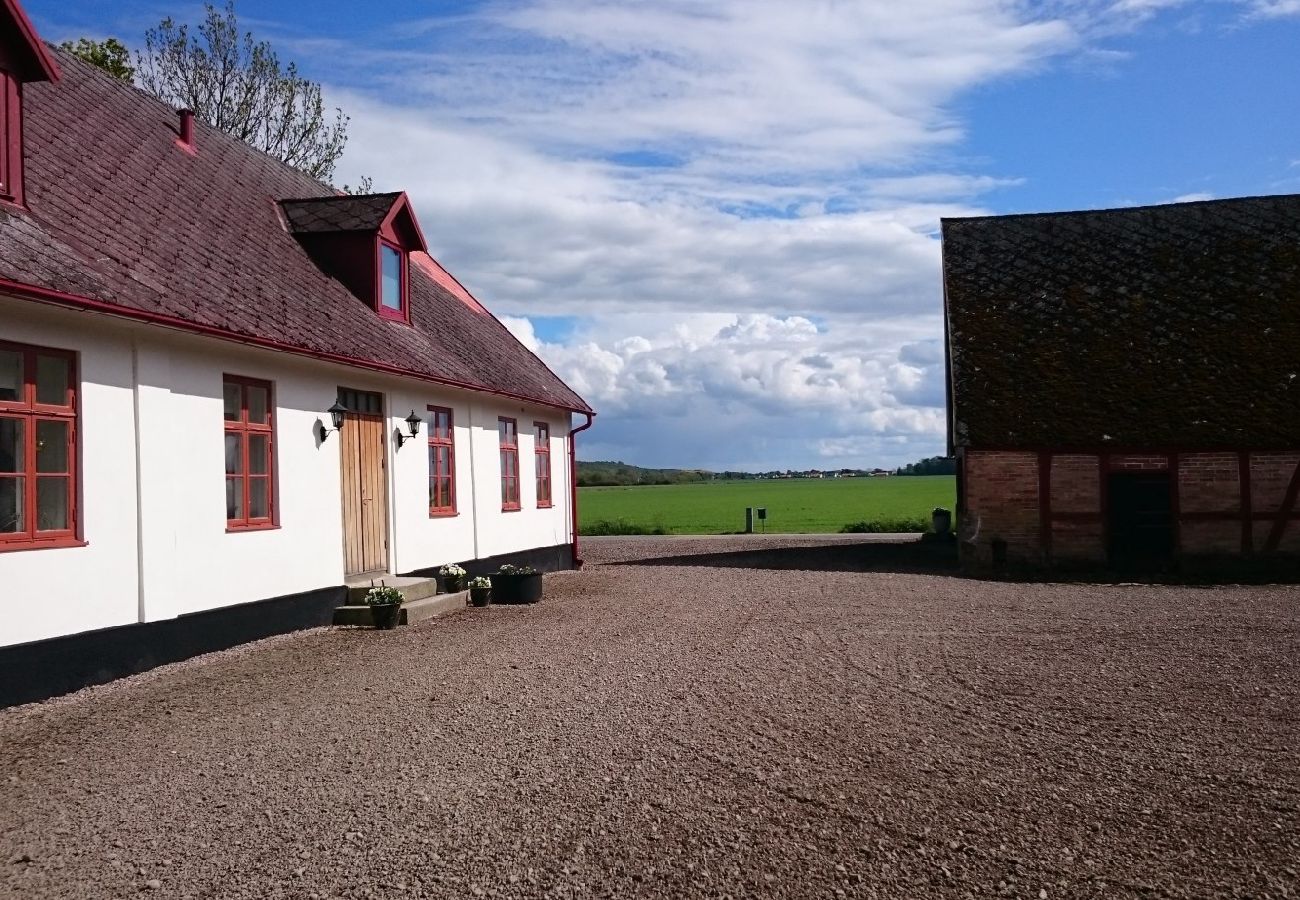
(186, 140)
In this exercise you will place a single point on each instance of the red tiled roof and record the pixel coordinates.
(123, 220)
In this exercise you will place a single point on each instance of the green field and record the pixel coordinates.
(797, 505)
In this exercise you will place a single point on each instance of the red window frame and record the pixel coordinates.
(29, 410)
(245, 430)
(397, 315)
(442, 461)
(542, 460)
(508, 435)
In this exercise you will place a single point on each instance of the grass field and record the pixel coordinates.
(797, 505)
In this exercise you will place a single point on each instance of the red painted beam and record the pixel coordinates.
(1284, 513)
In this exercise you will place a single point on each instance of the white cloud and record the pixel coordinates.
(737, 200)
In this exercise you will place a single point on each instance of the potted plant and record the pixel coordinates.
(385, 606)
(453, 578)
(516, 584)
(480, 591)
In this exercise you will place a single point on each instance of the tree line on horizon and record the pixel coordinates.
(607, 473)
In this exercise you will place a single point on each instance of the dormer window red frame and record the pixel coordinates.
(392, 293)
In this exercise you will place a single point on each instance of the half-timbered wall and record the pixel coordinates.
(1051, 507)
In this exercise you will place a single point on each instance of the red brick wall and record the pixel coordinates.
(1142, 462)
(1270, 475)
(1076, 484)
(1001, 502)
(1078, 540)
(1209, 482)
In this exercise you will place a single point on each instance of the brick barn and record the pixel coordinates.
(1124, 385)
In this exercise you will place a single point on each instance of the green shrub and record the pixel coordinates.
(620, 526)
(887, 526)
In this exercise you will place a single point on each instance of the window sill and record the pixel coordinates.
(57, 544)
(236, 529)
(546, 506)
(443, 514)
(511, 508)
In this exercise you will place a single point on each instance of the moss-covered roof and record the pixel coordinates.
(1162, 326)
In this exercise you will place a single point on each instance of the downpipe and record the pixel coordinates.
(573, 483)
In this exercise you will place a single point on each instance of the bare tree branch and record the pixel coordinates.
(237, 84)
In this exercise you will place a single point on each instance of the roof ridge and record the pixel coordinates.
(1119, 209)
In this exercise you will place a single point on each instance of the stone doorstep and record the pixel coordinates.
(412, 588)
(412, 611)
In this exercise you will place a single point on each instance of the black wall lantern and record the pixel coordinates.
(337, 412)
(413, 426)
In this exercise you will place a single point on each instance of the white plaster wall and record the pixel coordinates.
(66, 590)
(500, 531)
(151, 440)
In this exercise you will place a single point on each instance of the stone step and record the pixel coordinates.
(412, 610)
(412, 588)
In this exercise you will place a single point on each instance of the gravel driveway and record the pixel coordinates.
(666, 729)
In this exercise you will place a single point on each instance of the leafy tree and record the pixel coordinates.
(110, 55)
(934, 465)
(238, 85)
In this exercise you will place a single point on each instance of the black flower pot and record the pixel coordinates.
(480, 596)
(452, 584)
(516, 588)
(386, 616)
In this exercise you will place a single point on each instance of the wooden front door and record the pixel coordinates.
(365, 488)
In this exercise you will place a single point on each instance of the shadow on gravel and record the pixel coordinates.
(910, 558)
(934, 558)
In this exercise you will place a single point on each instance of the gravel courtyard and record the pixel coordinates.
(738, 728)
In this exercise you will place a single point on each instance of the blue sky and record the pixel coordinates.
(718, 220)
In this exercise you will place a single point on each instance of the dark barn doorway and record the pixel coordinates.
(1139, 518)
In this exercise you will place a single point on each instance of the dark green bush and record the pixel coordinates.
(619, 526)
(887, 526)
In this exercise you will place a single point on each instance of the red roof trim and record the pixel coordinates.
(59, 298)
(49, 69)
(403, 203)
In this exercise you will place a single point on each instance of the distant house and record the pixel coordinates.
(224, 384)
(1124, 385)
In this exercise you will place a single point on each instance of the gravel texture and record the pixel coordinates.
(656, 728)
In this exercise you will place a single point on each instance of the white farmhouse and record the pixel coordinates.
(226, 390)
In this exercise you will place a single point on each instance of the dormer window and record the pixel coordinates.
(392, 281)
(365, 241)
(23, 59)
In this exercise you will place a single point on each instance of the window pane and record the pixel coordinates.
(11, 376)
(51, 446)
(259, 405)
(230, 398)
(444, 464)
(234, 455)
(234, 498)
(258, 445)
(391, 290)
(505, 492)
(12, 442)
(11, 505)
(433, 493)
(52, 503)
(53, 378)
(259, 498)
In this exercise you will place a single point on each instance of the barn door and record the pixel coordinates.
(1140, 518)
(365, 489)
